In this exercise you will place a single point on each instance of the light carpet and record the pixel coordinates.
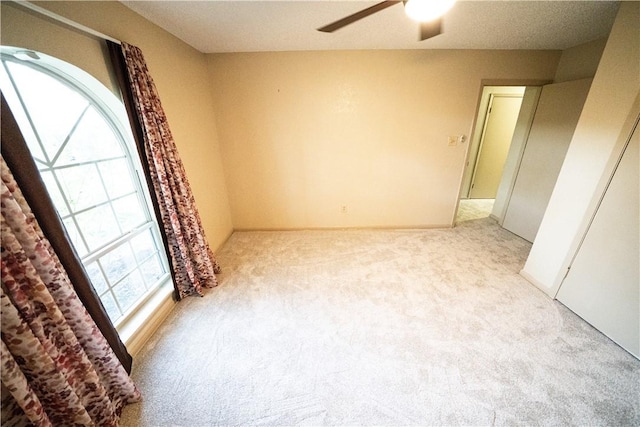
(421, 327)
(469, 209)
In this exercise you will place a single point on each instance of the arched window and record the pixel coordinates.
(80, 139)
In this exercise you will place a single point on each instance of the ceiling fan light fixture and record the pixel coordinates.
(427, 10)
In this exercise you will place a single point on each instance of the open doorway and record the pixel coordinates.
(495, 123)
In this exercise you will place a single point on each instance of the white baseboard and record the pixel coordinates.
(537, 284)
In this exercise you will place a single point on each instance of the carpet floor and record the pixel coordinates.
(474, 209)
(358, 327)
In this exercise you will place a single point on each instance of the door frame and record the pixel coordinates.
(482, 144)
(475, 146)
(476, 130)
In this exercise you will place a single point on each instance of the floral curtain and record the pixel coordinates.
(18, 158)
(57, 367)
(193, 264)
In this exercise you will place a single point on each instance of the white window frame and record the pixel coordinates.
(113, 110)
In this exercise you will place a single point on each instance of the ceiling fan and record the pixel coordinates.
(427, 12)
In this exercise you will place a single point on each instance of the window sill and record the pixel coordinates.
(137, 330)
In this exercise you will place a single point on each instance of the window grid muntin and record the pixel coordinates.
(69, 135)
(83, 91)
(143, 198)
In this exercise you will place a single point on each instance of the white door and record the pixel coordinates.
(603, 284)
(494, 146)
(555, 120)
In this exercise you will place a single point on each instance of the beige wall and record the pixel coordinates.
(305, 133)
(22, 28)
(580, 62)
(180, 74)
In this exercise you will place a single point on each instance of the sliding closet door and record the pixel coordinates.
(553, 125)
(603, 284)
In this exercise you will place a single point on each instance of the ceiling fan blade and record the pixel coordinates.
(430, 29)
(357, 16)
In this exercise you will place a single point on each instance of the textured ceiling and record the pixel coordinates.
(268, 25)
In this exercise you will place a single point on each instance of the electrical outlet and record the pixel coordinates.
(343, 209)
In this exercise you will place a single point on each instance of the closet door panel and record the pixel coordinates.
(603, 284)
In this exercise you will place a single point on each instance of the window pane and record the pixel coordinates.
(98, 226)
(143, 246)
(152, 271)
(118, 262)
(97, 279)
(116, 175)
(130, 290)
(129, 213)
(110, 306)
(53, 106)
(21, 116)
(92, 140)
(82, 186)
(54, 193)
(74, 235)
